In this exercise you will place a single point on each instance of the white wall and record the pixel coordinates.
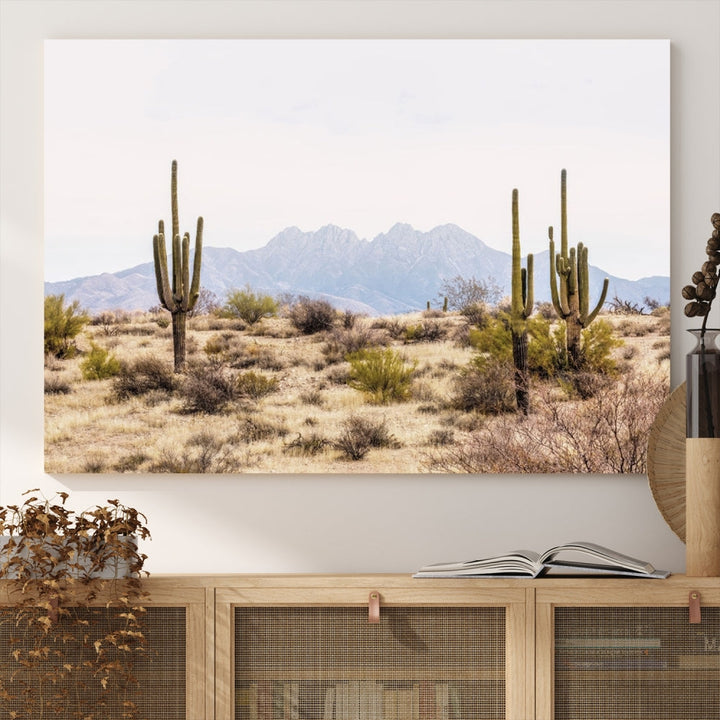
(335, 523)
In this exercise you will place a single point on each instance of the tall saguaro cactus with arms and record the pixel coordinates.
(179, 295)
(522, 302)
(570, 283)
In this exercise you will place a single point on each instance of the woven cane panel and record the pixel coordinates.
(330, 663)
(636, 663)
(68, 693)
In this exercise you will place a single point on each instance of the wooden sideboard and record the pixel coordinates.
(303, 646)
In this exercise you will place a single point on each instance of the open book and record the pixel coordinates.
(575, 558)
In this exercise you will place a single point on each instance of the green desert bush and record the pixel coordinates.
(63, 324)
(99, 364)
(598, 343)
(383, 374)
(255, 385)
(143, 375)
(312, 316)
(425, 331)
(249, 305)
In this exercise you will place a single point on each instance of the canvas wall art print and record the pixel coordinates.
(355, 256)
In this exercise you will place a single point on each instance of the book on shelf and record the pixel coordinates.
(571, 559)
(607, 643)
(699, 661)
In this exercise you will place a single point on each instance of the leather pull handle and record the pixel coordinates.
(694, 605)
(374, 607)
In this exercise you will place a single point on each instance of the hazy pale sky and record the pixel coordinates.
(356, 133)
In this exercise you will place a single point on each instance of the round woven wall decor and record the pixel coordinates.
(666, 461)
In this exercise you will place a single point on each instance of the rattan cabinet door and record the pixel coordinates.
(613, 656)
(307, 660)
(325, 663)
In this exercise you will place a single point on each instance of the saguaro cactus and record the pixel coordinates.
(570, 283)
(522, 302)
(180, 297)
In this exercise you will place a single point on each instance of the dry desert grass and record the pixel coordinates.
(267, 399)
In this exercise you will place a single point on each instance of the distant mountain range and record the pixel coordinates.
(398, 271)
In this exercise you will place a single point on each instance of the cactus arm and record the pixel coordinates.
(529, 287)
(583, 275)
(174, 200)
(599, 305)
(522, 287)
(161, 272)
(185, 271)
(177, 269)
(572, 281)
(563, 214)
(586, 317)
(197, 260)
(553, 278)
(516, 282)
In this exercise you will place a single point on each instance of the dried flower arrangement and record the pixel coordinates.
(703, 363)
(702, 293)
(71, 609)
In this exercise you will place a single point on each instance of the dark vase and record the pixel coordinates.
(703, 386)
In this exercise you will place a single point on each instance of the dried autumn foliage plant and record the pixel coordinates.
(71, 612)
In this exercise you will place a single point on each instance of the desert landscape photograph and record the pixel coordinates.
(355, 256)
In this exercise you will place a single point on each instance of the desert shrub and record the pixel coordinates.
(546, 310)
(382, 374)
(310, 445)
(395, 328)
(252, 428)
(261, 356)
(433, 313)
(343, 342)
(94, 462)
(207, 303)
(428, 409)
(598, 342)
(63, 324)
(57, 385)
(547, 354)
(486, 386)
(202, 453)
(338, 374)
(360, 435)
(461, 292)
(426, 331)
(583, 384)
(440, 437)
(108, 321)
(493, 338)
(255, 385)
(625, 307)
(248, 305)
(312, 397)
(143, 375)
(99, 364)
(348, 319)
(606, 434)
(312, 316)
(130, 463)
(476, 313)
(208, 388)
